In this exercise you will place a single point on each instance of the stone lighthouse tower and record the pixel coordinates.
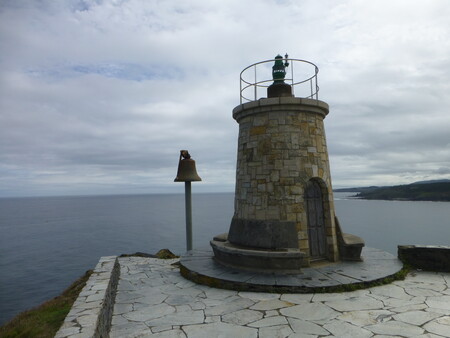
(284, 216)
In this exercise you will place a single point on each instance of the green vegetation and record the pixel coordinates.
(165, 254)
(45, 320)
(161, 254)
(411, 192)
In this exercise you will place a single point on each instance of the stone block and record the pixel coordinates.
(296, 190)
(284, 177)
(260, 120)
(295, 208)
(274, 176)
(315, 170)
(291, 100)
(291, 216)
(258, 130)
(260, 213)
(269, 101)
(263, 234)
(425, 257)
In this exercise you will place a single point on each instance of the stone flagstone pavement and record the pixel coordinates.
(154, 300)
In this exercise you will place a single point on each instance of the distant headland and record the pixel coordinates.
(435, 190)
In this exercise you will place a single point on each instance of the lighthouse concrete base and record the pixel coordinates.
(261, 260)
(201, 267)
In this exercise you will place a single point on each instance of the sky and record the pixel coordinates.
(99, 97)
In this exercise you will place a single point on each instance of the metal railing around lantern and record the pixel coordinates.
(300, 74)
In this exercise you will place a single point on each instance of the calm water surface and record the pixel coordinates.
(46, 243)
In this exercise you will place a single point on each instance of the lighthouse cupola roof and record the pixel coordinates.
(290, 77)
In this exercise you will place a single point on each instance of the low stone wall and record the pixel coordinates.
(91, 313)
(426, 257)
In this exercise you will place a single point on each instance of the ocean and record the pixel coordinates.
(48, 242)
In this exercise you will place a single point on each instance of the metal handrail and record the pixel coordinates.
(305, 86)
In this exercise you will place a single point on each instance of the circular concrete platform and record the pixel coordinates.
(377, 265)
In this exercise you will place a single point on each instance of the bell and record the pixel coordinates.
(186, 169)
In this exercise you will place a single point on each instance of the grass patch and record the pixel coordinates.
(161, 254)
(45, 320)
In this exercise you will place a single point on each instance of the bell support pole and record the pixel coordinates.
(187, 173)
(188, 202)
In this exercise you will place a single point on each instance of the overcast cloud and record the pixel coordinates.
(98, 97)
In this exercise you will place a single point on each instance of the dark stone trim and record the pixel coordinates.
(263, 234)
(425, 257)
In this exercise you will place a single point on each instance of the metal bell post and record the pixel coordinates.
(187, 173)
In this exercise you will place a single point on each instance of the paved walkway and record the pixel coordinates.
(154, 300)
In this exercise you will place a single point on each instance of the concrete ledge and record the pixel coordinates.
(299, 105)
(426, 257)
(286, 260)
(91, 313)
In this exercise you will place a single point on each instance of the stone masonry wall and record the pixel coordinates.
(281, 146)
(91, 313)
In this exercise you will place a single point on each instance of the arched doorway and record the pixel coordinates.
(316, 220)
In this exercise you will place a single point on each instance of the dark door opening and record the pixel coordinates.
(316, 220)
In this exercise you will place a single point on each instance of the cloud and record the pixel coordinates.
(100, 96)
